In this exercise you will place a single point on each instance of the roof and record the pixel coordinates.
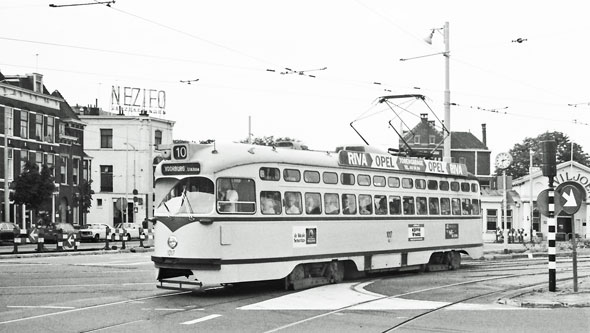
(466, 140)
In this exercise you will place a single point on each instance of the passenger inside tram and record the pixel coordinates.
(311, 203)
(332, 206)
(292, 203)
(348, 204)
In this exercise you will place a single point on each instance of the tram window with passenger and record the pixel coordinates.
(365, 204)
(445, 206)
(270, 202)
(330, 177)
(475, 205)
(192, 195)
(348, 204)
(393, 182)
(466, 207)
(364, 180)
(236, 195)
(456, 206)
(291, 175)
(395, 205)
(433, 206)
(380, 205)
(313, 204)
(331, 204)
(408, 205)
(421, 206)
(311, 176)
(269, 174)
(292, 203)
(379, 181)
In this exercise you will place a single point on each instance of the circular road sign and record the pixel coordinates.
(571, 198)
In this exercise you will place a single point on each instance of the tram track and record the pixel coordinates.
(484, 279)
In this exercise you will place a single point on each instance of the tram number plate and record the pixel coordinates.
(180, 152)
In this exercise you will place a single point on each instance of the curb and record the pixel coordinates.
(75, 253)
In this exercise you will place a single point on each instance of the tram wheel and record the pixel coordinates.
(298, 273)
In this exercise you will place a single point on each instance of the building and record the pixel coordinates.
(528, 189)
(41, 127)
(125, 151)
(466, 148)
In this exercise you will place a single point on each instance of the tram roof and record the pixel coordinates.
(213, 158)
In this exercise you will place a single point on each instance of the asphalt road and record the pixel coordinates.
(117, 293)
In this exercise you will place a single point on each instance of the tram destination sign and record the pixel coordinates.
(389, 162)
(181, 169)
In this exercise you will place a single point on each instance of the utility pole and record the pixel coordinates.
(6, 188)
(447, 54)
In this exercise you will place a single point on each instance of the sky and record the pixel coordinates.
(238, 49)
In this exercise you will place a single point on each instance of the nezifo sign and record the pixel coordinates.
(136, 100)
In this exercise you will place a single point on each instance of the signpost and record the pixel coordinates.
(573, 197)
(548, 167)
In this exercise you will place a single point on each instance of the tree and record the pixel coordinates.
(34, 189)
(521, 153)
(267, 140)
(84, 198)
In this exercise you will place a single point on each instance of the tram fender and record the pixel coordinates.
(165, 273)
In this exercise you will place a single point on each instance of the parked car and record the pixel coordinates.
(7, 231)
(52, 231)
(94, 232)
(131, 230)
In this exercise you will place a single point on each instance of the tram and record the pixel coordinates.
(232, 213)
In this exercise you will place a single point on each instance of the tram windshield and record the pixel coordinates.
(193, 195)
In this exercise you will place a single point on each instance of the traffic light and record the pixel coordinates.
(549, 150)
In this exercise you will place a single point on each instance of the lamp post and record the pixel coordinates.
(127, 144)
(447, 92)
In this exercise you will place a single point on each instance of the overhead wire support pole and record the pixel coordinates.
(447, 55)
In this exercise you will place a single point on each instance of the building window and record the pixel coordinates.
(85, 170)
(158, 137)
(492, 219)
(10, 164)
(106, 138)
(39, 160)
(63, 173)
(24, 124)
(38, 127)
(417, 139)
(49, 160)
(536, 218)
(99, 202)
(75, 171)
(49, 135)
(9, 114)
(106, 178)
(62, 129)
(24, 157)
(431, 139)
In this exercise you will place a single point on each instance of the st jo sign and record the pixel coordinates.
(568, 198)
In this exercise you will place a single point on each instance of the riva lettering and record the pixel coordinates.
(455, 169)
(357, 159)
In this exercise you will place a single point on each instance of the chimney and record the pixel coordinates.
(483, 135)
(424, 116)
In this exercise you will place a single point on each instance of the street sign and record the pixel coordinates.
(70, 241)
(543, 202)
(34, 235)
(571, 196)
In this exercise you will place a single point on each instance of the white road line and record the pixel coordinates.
(190, 322)
(163, 309)
(40, 307)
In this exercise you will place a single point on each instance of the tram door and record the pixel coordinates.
(564, 228)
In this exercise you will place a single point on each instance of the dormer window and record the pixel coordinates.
(417, 139)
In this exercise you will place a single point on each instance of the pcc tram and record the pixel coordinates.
(234, 213)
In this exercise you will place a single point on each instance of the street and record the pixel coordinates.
(117, 293)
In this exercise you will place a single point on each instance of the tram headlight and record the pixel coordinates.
(172, 242)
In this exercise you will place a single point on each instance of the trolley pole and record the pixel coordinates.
(550, 170)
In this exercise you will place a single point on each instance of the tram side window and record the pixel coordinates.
(270, 202)
(407, 182)
(291, 175)
(236, 195)
(330, 178)
(474, 187)
(192, 195)
(364, 180)
(311, 176)
(420, 184)
(421, 206)
(444, 185)
(269, 173)
(380, 205)
(347, 179)
(365, 204)
(379, 181)
(395, 205)
(456, 206)
(292, 203)
(465, 187)
(433, 207)
(409, 207)
(313, 203)
(445, 206)
(393, 182)
(331, 203)
(348, 204)
(455, 186)
(475, 205)
(466, 207)
(432, 185)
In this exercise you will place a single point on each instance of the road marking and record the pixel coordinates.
(80, 285)
(40, 307)
(209, 317)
